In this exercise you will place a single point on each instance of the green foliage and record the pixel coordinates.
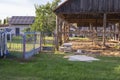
(26, 30)
(0, 21)
(45, 18)
(5, 21)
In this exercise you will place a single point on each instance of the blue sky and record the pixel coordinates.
(10, 8)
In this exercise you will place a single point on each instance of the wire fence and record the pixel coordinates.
(24, 46)
(15, 45)
(29, 44)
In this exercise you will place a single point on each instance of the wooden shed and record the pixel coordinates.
(91, 13)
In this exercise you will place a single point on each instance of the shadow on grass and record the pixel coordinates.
(15, 55)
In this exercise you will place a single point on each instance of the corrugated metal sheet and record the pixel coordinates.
(22, 20)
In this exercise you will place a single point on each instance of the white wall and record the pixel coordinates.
(21, 27)
(3, 27)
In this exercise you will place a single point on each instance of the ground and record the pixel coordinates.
(54, 67)
(112, 47)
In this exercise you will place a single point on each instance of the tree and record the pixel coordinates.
(45, 18)
(5, 21)
(0, 22)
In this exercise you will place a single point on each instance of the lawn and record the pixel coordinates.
(55, 67)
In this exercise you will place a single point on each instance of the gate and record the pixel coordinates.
(48, 42)
(3, 41)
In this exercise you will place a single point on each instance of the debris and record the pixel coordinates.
(67, 47)
(82, 58)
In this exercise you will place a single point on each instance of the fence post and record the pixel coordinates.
(40, 41)
(5, 51)
(24, 45)
(34, 42)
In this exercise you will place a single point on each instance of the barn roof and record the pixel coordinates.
(93, 6)
(89, 11)
(22, 20)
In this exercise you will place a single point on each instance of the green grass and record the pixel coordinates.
(55, 67)
(49, 38)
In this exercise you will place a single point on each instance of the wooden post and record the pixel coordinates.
(91, 32)
(111, 33)
(118, 31)
(104, 27)
(40, 41)
(64, 31)
(69, 30)
(60, 34)
(63, 34)
(34, 41)
(96, 31)
(67, 34)
(114, 31)
(24, 46)
(95, 34)
(57, 34)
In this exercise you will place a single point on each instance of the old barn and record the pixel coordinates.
(93, 14)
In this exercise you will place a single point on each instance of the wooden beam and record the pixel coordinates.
(57, 34)
(92, 20)
(60, 35)
(104, 28)
(118, 31)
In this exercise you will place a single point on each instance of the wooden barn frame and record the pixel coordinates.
(91, 13)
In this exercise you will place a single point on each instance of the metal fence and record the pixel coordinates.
(30, 43)
(25, 45)
(15, 45)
